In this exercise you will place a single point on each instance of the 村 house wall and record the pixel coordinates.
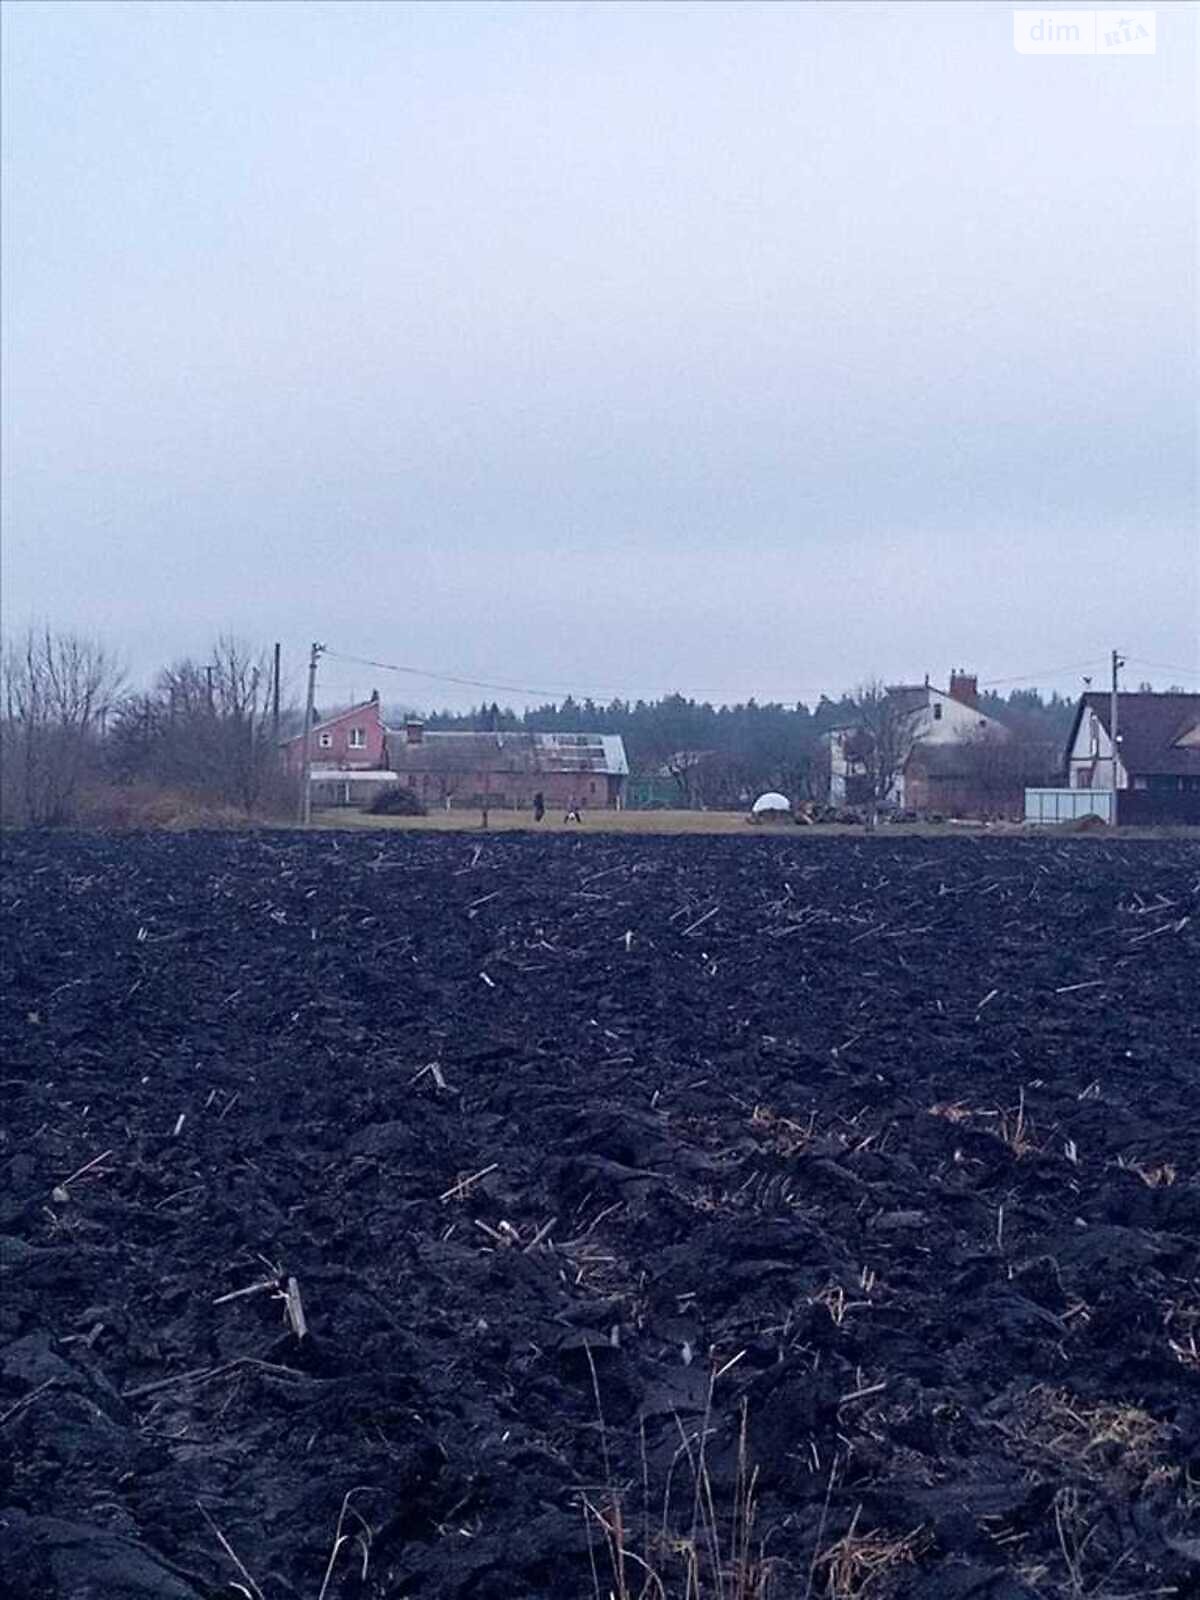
(1082, 762)
(464, 789)
(339, 753)
(956, 723)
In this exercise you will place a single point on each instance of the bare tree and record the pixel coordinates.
(206, 728)
(449, 764)
(883, 742)
(792, 772)
(814, 785)
(998, 766)
(242, 694)
(684, 767)
(58, 689)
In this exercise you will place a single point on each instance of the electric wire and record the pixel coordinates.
(1162, 666)
(577, 691)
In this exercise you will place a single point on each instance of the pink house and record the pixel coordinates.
(354, 754)
(351, 740)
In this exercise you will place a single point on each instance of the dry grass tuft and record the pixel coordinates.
(780, 1133)
(1015, 1130)
(1155, 1175)
(1074, 1535)
(1103, 1439)
(956, 1112)
(1011, 1125)
(859, 1562)
(836, 1301)
(715, 1557)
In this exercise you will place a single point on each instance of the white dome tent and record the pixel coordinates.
(770, 802)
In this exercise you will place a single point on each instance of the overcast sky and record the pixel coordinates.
(735, 349)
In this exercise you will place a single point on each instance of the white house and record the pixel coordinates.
(1158, 743)
(932, 719)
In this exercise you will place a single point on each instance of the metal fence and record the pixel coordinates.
(1067, 805)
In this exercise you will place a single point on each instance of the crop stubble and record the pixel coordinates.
(432, 1216)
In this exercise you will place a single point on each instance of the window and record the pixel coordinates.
(325, 740)
(937, 712)
(358, 738)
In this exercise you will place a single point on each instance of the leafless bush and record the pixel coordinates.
(207, 728)
(130, 807)
(58, 690)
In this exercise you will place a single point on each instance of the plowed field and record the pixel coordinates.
(438, 1216)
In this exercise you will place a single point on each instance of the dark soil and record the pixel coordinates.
(901, 1138)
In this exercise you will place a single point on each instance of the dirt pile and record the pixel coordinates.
(415, 1216)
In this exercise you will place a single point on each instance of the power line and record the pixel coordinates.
(1048, 672)
(577, 691)
(574, 690)
(1162, 666)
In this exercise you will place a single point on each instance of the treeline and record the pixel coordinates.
(716, 755)
(79, 745)
(675, 732)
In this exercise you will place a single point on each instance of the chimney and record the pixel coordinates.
(414, 730)
(374, 697)
(964, 687)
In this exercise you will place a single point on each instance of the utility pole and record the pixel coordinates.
(1118, 661)
(490, 722)
(306, 769)
(275, 700)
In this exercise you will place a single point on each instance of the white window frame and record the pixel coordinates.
(357, 739)
(325, 741)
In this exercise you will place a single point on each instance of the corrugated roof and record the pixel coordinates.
(585, 752)
(1156, 731)
(599, 753)
(461, 752)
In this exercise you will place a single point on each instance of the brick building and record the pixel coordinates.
(355, 752)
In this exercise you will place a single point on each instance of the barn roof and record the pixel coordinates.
(504, 751)
(1159, 733)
